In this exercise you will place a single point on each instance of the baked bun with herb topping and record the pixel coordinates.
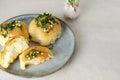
(45, 29)
(34, 55)
(12, 49)
(9, 30)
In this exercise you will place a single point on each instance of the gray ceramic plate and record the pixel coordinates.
(62, 49)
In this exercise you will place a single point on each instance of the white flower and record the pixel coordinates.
(71, 11)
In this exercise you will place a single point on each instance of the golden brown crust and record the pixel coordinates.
(3, 53)
(14, 33)
(44, 38)
(13, 51)
(20, 32)
(45, 50)
(43, 54)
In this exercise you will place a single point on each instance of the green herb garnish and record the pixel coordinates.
(74, 3)
(71, 1)
(45, 21)
(5, 28)
(32, 54)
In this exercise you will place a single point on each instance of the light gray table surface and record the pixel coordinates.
(97, 34)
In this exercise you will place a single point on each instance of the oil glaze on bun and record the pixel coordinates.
(45, 29)
(34, 55)
(12, 29)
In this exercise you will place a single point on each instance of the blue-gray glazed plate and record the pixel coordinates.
(62, 50)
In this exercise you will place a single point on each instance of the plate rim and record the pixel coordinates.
(72, 52)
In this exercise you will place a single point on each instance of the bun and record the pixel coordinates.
(34, 55)
(45, 29)
(12, 49)
(9, 30)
